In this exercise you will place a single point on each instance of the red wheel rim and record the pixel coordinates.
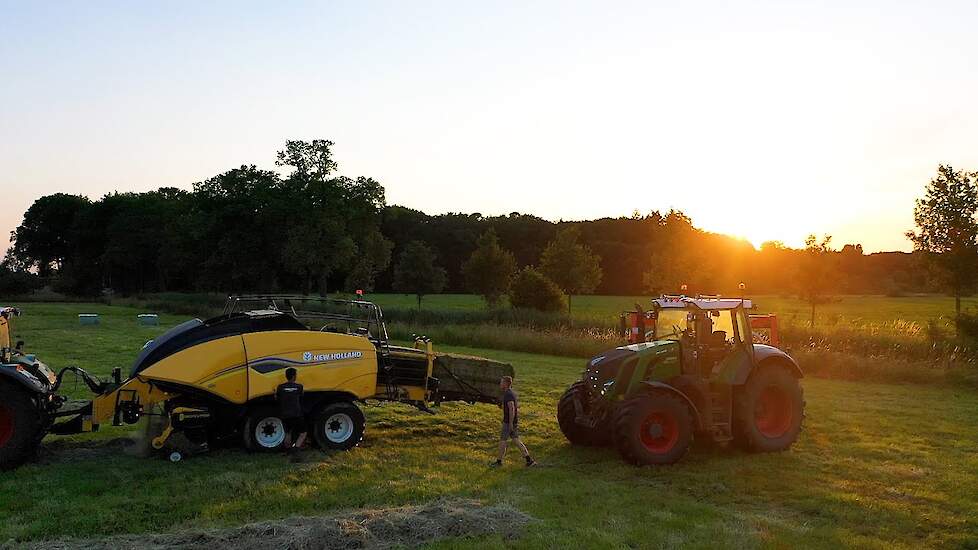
(772, 412)
(6, 424)
(659, 432)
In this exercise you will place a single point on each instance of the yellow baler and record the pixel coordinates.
(215, 380)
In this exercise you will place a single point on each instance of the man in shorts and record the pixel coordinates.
(289, 397)
(510, 428)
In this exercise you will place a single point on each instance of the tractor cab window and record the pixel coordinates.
(721, 328)
(671, 324)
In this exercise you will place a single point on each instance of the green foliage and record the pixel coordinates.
(416, 271)
(310, 160)
(532, 289)
(948, 230)
(45, 239)
(814, 277)
(16, 282)
(677, 260)
(489, 270)
(967, 326)
(373, 256)
(570, 264)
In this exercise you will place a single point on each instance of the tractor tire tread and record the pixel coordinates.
(629, 414)
(28, 425)
(574, 432)
(746, 436)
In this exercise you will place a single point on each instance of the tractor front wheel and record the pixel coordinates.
(21, 426)
(656, 428)
(769, 410)
(338, 426)
(566, 419)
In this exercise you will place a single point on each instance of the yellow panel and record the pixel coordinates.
(4, 333)
(325, 361)
(217, 366)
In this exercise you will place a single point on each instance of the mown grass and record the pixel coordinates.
(877, 466)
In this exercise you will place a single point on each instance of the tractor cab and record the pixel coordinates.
(712, 332)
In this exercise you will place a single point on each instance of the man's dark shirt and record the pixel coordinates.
(510, 396)
(289, 396)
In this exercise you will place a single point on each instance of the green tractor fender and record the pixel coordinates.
(764, 354)
(661, 386)
(21, 378)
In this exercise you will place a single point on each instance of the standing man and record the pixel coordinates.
(289, 397)
(510, 430)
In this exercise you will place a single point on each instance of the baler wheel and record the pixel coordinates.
(338, 426)
(21, 426)
(264, 430)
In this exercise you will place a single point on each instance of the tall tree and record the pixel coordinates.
(570, 264)
(373, 255)
(815, 274)
(416, 272)
(489, 270)
(46, 238)
(947, 229)
(310, 160)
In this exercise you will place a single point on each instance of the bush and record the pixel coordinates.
(967, 325)
(534, 290)
(17, 283)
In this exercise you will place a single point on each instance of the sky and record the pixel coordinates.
(763, 120)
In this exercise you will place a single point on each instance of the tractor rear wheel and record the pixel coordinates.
(655, 428)
(338, 426)
(768, 410)
(574, 432)
(264, 430)
(21, 426)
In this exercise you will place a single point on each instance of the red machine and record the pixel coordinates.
(765, 328)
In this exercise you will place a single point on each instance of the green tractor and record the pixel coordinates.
(699, 373)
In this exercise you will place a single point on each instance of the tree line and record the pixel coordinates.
(307, 229)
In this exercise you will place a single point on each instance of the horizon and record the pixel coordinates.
(768, 122)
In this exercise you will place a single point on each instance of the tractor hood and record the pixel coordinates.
(606, 366)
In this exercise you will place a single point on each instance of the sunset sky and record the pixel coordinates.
(767, 120)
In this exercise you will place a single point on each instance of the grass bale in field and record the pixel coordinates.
(148, 319)
(470, 378)
(88, 319)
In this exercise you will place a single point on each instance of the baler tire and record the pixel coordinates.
(575, 433)
(343, 417)
(21, 426)
(633, 436)
(768, 410)
(259, 416)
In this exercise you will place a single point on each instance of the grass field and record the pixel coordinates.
(877, 466)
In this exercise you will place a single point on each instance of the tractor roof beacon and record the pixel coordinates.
(697, 371)
(213, 381)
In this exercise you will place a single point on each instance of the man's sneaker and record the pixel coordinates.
(496, 464)
(530, 462)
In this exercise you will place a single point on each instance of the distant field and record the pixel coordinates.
(877, 466)
(856, 310)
